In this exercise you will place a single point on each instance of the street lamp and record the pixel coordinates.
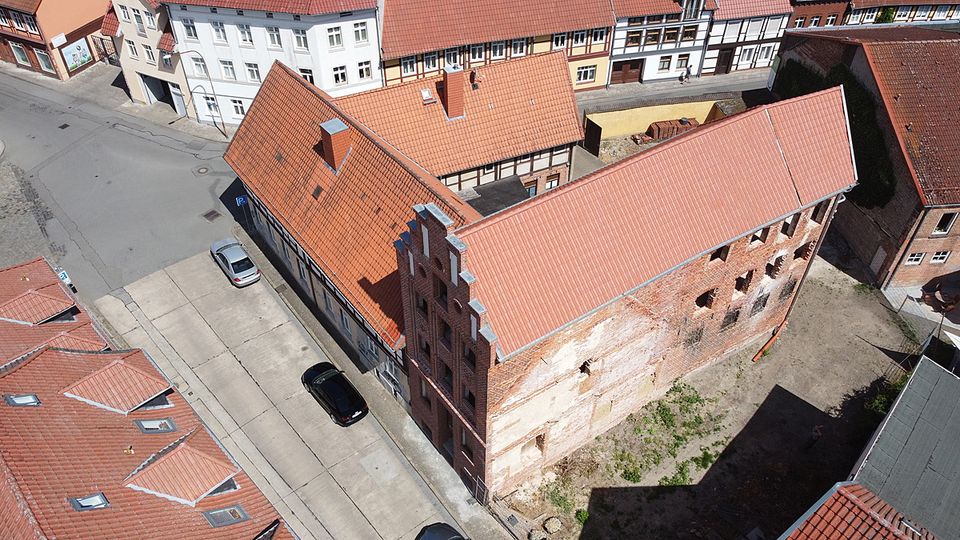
(206, 69)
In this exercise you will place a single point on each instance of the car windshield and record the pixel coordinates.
(345, 399)
(242, 265)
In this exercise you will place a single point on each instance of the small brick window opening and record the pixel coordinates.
(424, 348)
(422, 306)
(803, 252)
(720, 254)
(760, 236)
(440, 291)
(585, 367)
(706, 299)
(773, 268)
(469, 357)
(730, 318)
(469, 399)
(742, 283)
(759, 304)
(446, 334)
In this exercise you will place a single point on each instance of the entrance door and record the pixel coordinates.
(178, 102)
(626, 71)
(724, 61)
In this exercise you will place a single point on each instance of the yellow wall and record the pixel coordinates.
(630, 121)
(603, 66)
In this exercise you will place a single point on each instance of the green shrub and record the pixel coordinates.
(886, 15)
(665, 415)
(679, 478)
(632, 473)
(885, 397)
(559, 499)
(582, 516)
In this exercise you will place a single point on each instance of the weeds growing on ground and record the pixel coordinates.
(556, 493)
(582, 516)
(679, 478)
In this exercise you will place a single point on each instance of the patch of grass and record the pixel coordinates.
(665, 415)
(885, 397)
(556, 495)
(864, 288)
(632, 473)
(705, 459)
(904, 328)
(582, 516)
(679, 478)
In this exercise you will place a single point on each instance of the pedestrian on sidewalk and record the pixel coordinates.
(687, 74)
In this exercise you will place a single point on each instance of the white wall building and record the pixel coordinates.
(869, 11)
(658, 40)
(745, 36)
(227, 53)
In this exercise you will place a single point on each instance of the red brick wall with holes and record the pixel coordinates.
(546, 401)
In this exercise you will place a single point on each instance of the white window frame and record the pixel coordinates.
(151, 19)
(815, 21)
(360, 34)
(124, 13)
(228, 70)
(308, 76)
(219, 31)
(338, 73)
(660, 68)
(43, 54)
(831, 20)
(550, 184)
(274, 40)
(940, 257)
(747, 54)
(245, 35)
(559, 41)
(132, 49)
(148, 52)
(345, 323)
(300, 40)
(17, 20)
(213, 108)
(518, 45)
(335, 37)
(498, 45)
(430, 62)
(579, 38)
(190, 30)
(451, 57)
(253, 72)
(586, 74)
(474, 57)
(915, 259)
(199, 66)
(31, 24)
(408, 65)
(365, 70)
(599, 35)
(953, 219)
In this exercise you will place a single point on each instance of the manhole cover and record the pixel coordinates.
(64, 126)
(203, 170)
(211, 215)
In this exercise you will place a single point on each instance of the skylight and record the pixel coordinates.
(90, 502)
(22, 400)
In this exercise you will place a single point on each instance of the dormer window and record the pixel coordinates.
(90, 502)
(22, 400)
(164, 425)
(229, 485)
(159, 402)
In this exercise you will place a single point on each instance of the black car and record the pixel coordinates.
(334, 393)
(439, 531)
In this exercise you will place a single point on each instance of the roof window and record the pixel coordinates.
(90, 502)
(22, 400)
(226, 516)
(159, 402)
(164, 425)
(229, 485)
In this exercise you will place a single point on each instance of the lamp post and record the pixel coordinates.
(206, 69)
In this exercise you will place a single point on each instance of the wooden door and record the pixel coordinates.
(626, 71)
(724, 61)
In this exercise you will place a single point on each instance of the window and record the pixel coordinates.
(423, 391)
(674, 17)
(253, 72)
(915, 258)
(422, 306)
(246, 36)
(706, 299)
(945, 223)
(742, 283)
(586, 74)
(440, 291)
(446, 334)
(345, 322)
(730, 318)
(228, 72)
(747, 54)
(17, 20)
(815, 21)
(334, 37)
(165, 425)
(424, 348)
(788, 289)
(579, 38)
(22, 400)
(939, 257)
(408, 65)
(430, 61)
(831, 20)
(760, 236)
(132, 49)
(683, 61)
(798, 22)
(469, 357)
(229, 485)
(720, 254)
(219, 32)
(633, 21)
(125, 14)
(498, 49)
(360, 32)
(148, 52)
(212, 106)
(138, 19)
(634, 38)
(670, 35)
(759, 304)
(789, 225)
(273, 37)
(467, 451)
(773, 268)
(340, 75)
(225, 516)
(689, 33)
(151, 19)
(365, 71)
(664, 63)
(213, 10)
(3, 18)
(559, 41)
(476, 53)
(446, 380)
(307, 74)
(90, 502)
(531, 189)
(300, 39)
(167, 60)
(469, 399)
(552, 181)
(765, 52)
(269, 15)
(599, 35)
(653, 37)
(47, 65)
(518, 47)
(451, 57)
(31, 24)
(239, 112)
(803, 252)
(189, 29)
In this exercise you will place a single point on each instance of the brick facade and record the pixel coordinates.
(817, 14)
(551, 397)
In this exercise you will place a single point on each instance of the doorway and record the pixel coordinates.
(627, 71)
(724, 61)
(179, 104)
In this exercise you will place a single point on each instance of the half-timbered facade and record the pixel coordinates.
(887, 11)
(745, 35)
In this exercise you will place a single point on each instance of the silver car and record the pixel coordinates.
(235, 262)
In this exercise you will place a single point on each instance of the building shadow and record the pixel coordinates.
(942, 295)
(780, 463)
(121, 83)
(838, 254)
(229, 201)
(755, 98)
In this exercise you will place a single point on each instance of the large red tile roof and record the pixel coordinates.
(520, 107)
(865, 4)
(30, 292)
(922, 105)
(297, 7)
(415, 26)
(640, 8)
(66, 448)
(110, 26)
(26, 6)
(17, 339)
(660, 209)
(117, 386)
(182, 473)
(745, 9)
(853, 511)
(167, 40)
(350, 227)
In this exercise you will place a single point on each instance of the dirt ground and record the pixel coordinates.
(738, 447)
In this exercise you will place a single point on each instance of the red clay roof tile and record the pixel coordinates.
(535, 280)
(17, 339)
(415, 26)
(117, 386)
(31, 292)
(520, 107)
(639, 8)
(26, 6)
(745, 9)
(297, 7)
(183, 474)
(865, 4)
(350, 226)
(167, 40)
(111, 24)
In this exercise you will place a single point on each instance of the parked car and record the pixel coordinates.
(235, 262)
(334, 393)
(439, 531)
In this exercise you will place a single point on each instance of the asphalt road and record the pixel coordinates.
(116, 197)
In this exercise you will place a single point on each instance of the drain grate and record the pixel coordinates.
(281, 288)
(211, 215)
(64, 126)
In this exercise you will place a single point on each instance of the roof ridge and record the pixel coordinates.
(158, 455)
(845, 490)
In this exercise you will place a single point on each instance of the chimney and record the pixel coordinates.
(336, 142)
(453, 91)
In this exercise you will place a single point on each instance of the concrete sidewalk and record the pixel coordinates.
(626, 96)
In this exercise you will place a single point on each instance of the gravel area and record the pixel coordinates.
(21, 217)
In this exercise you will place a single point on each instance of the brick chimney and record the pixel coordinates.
(453, 84)
(335, 141)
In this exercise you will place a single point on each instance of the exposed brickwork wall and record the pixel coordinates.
(549, 399)
(928, 242)
(810, 10)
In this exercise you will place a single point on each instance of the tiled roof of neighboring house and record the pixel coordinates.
(117, 386)
(17, 339)
(534, 280)
(520, 107)
(297, 7)
(852, 511)
(30, 292)
(922, 105)
(745, 9)
(347, 221)
(110, 26)
(26, 6)
(167, 40)
(639, 8)
(415, 26)
(66, 448)
(912, 461)
(853, 34)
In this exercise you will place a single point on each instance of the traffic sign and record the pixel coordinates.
(241, 200)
